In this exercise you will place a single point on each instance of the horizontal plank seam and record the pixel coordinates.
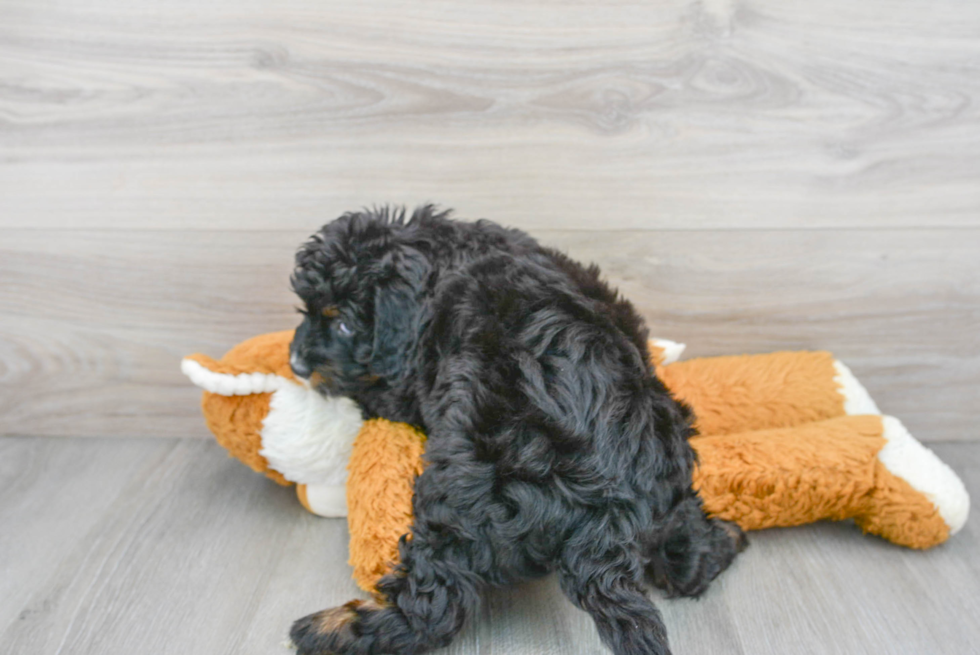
(313, 226)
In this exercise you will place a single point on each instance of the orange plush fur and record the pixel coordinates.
(752, 392)
(387, 458)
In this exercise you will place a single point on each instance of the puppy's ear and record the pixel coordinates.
(395, 316)
(398, 309)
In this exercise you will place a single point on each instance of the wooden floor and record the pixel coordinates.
(122, 546)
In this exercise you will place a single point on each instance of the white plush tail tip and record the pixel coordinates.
(905, 457)
(224, 384)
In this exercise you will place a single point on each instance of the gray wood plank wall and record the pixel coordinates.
(754, 175)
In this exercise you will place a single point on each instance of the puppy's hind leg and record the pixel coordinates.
(421, 606)
(423, 603)
(601, 577)
(687, 550)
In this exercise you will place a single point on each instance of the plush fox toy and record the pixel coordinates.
(784, 439)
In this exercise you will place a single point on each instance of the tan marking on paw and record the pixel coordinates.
(336, 618)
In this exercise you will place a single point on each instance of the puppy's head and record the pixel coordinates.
(360, 282)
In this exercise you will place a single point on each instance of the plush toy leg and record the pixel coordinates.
(863, 467)
(387, 458)
(756, 392)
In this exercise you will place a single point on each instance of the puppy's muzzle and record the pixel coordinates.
(324, 382)
(300, 368)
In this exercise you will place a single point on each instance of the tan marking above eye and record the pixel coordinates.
(331, 311)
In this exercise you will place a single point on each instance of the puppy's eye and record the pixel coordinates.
(343, 329)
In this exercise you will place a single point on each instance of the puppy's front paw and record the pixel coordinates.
(330, 632)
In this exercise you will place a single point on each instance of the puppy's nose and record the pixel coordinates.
(300, 368)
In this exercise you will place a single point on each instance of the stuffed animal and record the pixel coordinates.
(784, 439)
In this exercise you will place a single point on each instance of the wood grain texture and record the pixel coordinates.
(160, 161)
(167, 546)
(588, 115)
(93, 323)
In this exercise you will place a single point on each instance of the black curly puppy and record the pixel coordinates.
(552, 446)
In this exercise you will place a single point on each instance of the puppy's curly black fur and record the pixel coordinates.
(552, 445)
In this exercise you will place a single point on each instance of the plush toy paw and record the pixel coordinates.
(917, 501)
